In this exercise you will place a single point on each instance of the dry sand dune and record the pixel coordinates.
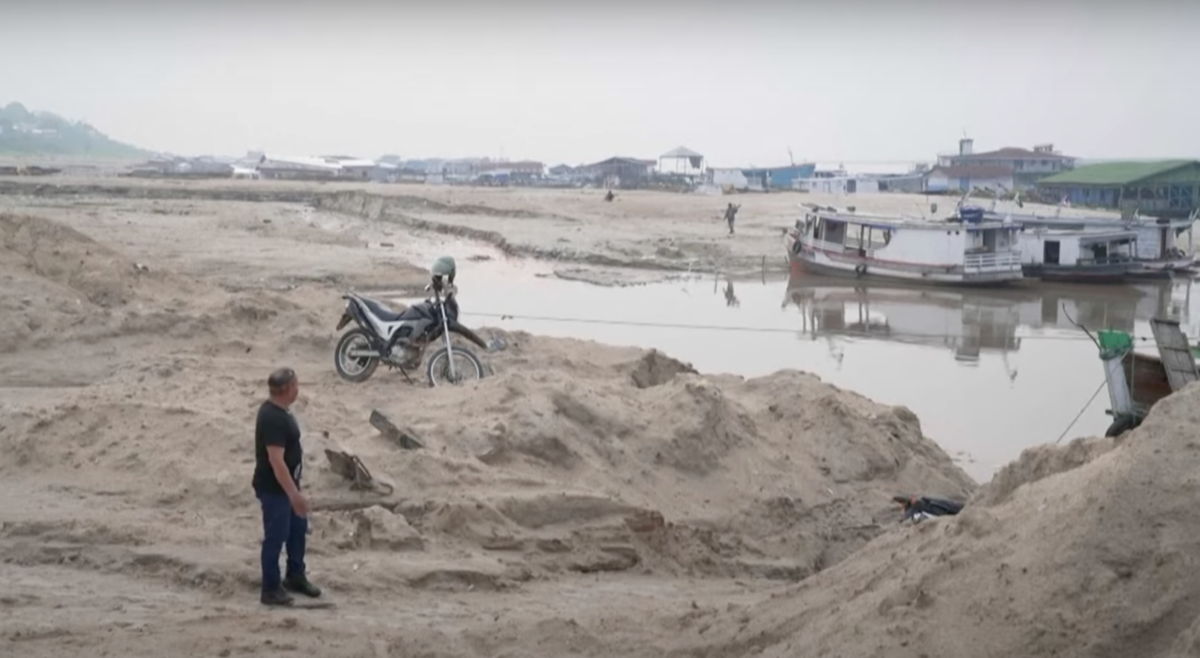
(585, 500)
(1098, 559)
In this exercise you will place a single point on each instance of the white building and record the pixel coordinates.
(838, 185)
(724, 178)
(960, 178)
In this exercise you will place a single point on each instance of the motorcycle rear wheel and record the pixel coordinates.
(355, 369)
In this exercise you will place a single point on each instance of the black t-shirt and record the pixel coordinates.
(275, 427)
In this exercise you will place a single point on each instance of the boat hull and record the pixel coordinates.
(1147, 379)
(1103, 273)
(814, 262)
(1152, 270)
(1162, 268)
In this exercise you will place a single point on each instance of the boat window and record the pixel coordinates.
(876, 238)
(835, 232)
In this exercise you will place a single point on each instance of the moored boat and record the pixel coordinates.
(1078, 256)
(1137, 381)
(1158, 247)
(964, 250)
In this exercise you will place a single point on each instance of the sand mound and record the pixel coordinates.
(1091, 560)
(657, 368)
(1037, 463)
(69, 259)
(659, 467)
(562, 463)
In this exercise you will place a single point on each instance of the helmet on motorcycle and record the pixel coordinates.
(444, 267)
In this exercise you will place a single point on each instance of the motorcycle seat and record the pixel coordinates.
(383, 312)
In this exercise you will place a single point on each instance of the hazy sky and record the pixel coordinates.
(740, 82)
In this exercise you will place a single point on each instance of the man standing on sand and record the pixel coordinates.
(731, 215)
(278, 462)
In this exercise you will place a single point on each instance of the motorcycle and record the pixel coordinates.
(399, 339)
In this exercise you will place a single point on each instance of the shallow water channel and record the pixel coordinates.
(989, 373)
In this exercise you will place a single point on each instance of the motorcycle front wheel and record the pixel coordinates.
(466, 367)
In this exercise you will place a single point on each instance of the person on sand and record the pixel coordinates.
(731, 215)
(278, 462)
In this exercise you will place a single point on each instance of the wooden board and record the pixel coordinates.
(1147, 379)
(312, 605)
(1176, 354)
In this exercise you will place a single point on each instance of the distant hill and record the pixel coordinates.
(43, 133)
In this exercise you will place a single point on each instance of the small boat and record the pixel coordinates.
(1137, 381)
(1078, 255)
(1157, 247)
(963, 250)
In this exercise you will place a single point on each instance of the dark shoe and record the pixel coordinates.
(277, 598)
(300, 585)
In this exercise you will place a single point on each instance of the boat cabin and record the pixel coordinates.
(1157, 240)
(1160, 239)
(1076, 247)
(1084, 256)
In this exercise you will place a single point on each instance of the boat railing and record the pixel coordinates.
(991, 261)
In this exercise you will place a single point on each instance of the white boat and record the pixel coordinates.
(1158, 249)
(1078, 255)
(964, 250)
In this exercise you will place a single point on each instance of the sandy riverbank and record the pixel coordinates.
(655, 233)
(587, 500)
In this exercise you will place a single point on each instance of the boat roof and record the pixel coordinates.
(888, 222)
(1090, 236)
(1095, 220)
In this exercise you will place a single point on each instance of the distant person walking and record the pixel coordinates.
(731, 215)
(278, 463)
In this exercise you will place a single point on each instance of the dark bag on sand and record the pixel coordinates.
(917, 508)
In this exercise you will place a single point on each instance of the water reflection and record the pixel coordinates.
(973, 322)
(965, 323)
(731, 299)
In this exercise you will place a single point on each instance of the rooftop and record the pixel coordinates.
(622, 160)
(681, 152)
(1015, 153)
(1116, 173)
(975, 171)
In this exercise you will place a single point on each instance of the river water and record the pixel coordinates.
(989, 373)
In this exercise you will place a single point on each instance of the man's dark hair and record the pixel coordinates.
(280, 379)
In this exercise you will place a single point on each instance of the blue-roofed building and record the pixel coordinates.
(779, 177)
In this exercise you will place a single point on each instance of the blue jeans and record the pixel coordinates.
(281, 527)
